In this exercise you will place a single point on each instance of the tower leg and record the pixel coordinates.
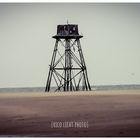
(67, 82)
(51, 67)
(85, 76)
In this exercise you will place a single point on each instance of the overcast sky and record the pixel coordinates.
(111, 42)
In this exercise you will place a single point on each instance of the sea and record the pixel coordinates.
(94, 88)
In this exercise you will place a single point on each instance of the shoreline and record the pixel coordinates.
(69, 93)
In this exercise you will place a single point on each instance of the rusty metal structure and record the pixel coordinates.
(67, 69)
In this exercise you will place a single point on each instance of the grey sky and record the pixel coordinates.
(111, 43)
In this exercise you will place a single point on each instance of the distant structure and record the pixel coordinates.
(67, 69)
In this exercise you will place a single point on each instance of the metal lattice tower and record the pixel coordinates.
(68, 69)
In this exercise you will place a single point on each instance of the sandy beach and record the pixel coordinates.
(107, 113)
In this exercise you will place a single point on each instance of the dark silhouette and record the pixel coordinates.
(68, 68)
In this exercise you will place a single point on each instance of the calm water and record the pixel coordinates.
(42, 89)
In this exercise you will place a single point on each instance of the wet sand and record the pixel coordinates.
(108, 113)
